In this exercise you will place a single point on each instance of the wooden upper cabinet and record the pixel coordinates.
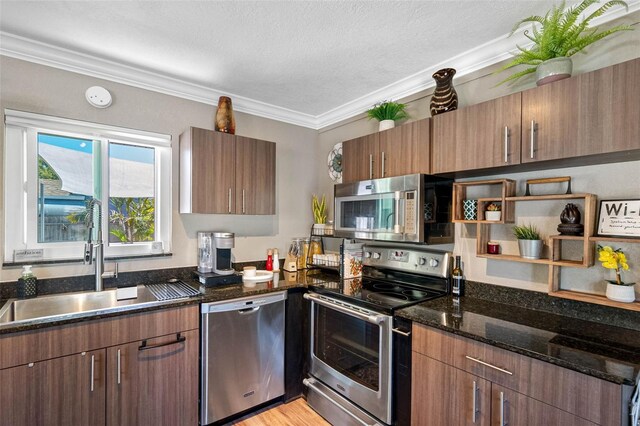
(402, 150)
(359, 158)
(589, 114)
(69, 390)
(405, 149)
(207, 171)
(478, 136)
(226, 174)
(155, 383)
(255, 176)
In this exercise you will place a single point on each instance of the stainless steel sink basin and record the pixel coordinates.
(70, 305)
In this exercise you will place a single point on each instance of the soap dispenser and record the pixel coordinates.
(27, 283)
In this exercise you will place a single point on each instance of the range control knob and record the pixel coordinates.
(422, 261)
(367, 254)
(433, 262)
(376, 255)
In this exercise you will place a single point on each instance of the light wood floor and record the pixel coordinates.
(295, 413)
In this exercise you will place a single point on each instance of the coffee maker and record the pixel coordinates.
(214, 252)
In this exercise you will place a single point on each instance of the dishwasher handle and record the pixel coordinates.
(243, 304)
(248, 310)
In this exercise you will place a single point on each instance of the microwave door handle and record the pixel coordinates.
(396, 225)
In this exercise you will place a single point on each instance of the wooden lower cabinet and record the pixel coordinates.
(62, 391)
(513, 408)
(444, 395)
(154, 381)
(134, 372)
(534, 393)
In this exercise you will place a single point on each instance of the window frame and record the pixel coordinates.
(21, 153)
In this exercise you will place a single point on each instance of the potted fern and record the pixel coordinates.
(529, 241)
(556, 37)
(387, 112)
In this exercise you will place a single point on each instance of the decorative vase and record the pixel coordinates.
(444, 98)
(225, 122)
(470, 209)
(492, 215)
(530, 249)
(621, 293)
(386, 125)
(553, 70)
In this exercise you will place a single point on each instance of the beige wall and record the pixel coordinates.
(479, 87)
(30, 87)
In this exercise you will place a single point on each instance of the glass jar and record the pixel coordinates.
(315, 248)
(304, 253)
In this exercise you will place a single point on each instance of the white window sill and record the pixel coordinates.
(79, 260)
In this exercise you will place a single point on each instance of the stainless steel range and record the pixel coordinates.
(351, 374)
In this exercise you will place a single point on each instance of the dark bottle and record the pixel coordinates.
(457, 279)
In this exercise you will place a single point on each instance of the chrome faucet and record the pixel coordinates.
(96, 245)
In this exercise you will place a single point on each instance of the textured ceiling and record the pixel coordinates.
(307, 56)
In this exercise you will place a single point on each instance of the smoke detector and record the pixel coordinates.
(98, 97)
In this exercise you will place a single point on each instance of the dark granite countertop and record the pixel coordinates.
(604, 351)
(283, 281)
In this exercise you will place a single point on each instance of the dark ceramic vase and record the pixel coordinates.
(570, 214)
(444, 98)
(225, 122)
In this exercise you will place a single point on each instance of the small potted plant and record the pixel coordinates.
(387, 112)
(319, 209)
(557, 36)
(529, 241)
(617, 290)
(493, 212)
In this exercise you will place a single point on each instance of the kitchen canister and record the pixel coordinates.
(470, 209)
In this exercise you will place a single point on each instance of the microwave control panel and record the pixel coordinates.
(410, 213)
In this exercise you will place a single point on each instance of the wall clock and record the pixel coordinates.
(334, 163)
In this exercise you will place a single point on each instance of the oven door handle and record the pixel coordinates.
(373, 319)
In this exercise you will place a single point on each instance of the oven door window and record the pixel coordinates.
(349, 345)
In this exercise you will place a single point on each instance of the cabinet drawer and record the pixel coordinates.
(591, 398)
(38, 345)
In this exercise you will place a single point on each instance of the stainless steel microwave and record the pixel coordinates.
(412, 208)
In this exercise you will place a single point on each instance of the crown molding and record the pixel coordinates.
(468, 62)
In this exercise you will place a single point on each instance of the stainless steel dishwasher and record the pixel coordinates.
(242, 361)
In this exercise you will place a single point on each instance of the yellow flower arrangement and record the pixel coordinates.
(613, 259)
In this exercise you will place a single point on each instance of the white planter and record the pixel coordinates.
(386, 125)
(530, 249)
(319, 228)
(621, 293)
(492, 215)
(553, 70)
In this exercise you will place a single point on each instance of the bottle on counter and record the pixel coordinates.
(276, 260)
(269, 266)
(457, 279)
(27, 283)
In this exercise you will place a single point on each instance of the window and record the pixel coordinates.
(54, 167)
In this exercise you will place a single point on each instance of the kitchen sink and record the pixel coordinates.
(69, 305)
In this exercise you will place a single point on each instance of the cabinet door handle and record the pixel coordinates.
(479, 361)
(532, 138)
(474, 416)
(382, 164)
(370, 166)
(119, 367)
(229, 200)
(506, 144)
(93, 370)
(400, 332)
(145, 347)
(502, 401)
(243, 201)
